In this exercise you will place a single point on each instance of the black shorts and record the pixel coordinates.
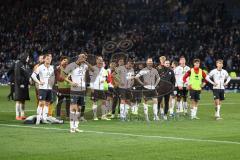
(182, 93)
(195, 95)
(45, 95)
(218, 94)
(78, 97)
(125, 94)
(149, 93)
(21, 94)
(98, 95)
(137, 94)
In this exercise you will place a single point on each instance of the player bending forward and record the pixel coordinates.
(220, 80)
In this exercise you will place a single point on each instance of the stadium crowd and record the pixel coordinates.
(156, 27)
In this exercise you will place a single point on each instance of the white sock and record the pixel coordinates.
(22, 110)
(133, 108)
(126, 108)
(122, 110)
(161, 111)
(218, 110)
(172, 105)
(145, 109)
(17, 110)
(71, 124)
(45, 113)
(94, 108)
(180, 106)
(195, 111)
(171, 110)
(185, 107)
(192, 111)
(39, 112)
(136, 108)
(77, 115)
(155, 110)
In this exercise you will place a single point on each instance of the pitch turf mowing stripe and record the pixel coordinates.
(129, 134)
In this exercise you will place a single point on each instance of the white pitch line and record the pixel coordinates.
(128, 134)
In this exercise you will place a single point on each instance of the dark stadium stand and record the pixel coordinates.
(156, 27)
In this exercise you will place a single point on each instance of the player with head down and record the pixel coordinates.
(76, 72)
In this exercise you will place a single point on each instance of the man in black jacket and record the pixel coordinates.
(166, 74)
(21, 81)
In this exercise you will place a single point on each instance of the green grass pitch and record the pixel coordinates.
(182, 139)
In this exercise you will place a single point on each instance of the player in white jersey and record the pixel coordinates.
(99, 87)
(220, 80)
(151, 79)
(76, 76)
(125, 75)
(46, 81)
(182, 91)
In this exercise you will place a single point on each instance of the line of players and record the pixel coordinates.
(122, 81)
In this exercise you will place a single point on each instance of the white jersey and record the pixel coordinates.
(219, 77)
(78, 75)
(179, 73)
(46, 75)
(98, 78)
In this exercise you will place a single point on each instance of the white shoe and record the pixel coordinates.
(135, 113)
(113, 116)
(156, 118)
(83, 119)
(105, 118)
(195, 117)
(78, 130)
(218, 118)
(95, 119)
(72, 130)
(165, 117)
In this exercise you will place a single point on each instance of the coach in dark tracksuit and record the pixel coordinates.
(21, 81)
(166, 74)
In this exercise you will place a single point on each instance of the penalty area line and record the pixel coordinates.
(128, 134)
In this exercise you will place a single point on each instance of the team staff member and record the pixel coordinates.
(21, 81)
(63, 87)
(196, 76)
(166, 74)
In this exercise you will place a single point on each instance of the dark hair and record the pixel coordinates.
(63, 57)
(175, 62)
(196, 60)
(46, 55)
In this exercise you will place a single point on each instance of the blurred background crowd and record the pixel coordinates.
(196, 29)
